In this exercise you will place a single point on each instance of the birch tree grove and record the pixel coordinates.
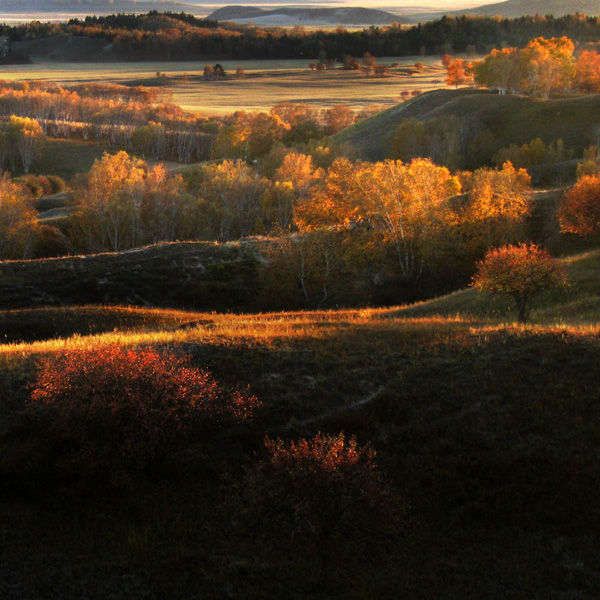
(125, 203)
(405, 203)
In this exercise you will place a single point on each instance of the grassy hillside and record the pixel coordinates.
(520, 8)
(201, 275)
(510, 119)
(488, 431)
(66, 158)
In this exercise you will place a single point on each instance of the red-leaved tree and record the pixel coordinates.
(521, 272)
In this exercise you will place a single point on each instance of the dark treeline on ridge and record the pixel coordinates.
(178, 36)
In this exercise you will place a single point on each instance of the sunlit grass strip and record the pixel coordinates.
(278, 328)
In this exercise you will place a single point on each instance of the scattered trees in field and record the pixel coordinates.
(324, 497)
(107, 114)
(579, 212)
(520, 272)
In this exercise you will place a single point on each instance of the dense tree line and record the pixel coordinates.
(170, 36)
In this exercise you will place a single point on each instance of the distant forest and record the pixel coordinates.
(180, 36)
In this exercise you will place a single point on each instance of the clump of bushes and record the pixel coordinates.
(42, 185)
(116, 414)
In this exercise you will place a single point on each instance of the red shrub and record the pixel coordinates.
(131, 409)
(327, 492)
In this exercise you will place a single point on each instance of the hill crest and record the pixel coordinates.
(306, 16)
(522, 8)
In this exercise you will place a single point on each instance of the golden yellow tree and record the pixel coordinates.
(18, 223)
(498, 205)
(407, 204)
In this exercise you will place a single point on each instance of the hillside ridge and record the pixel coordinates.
(289, 15)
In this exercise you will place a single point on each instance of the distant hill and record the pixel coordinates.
(521, 8)
(32, 8)
(509, 119)
(307, 16)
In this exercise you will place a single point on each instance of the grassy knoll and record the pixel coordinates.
(201, 275)
(510, 119)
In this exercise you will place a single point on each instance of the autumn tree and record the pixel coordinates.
(18, 223)
(250, 135)
(579, 212)
(407, 203)
(587, 72)
(26, 137)
(338, 117)
(543, 67)
(497, 207)
(230, 197)
(115, 412)
(499, 70)
(301, 121)
(124, 203)
(522, 273)
(325, 497)
(292, 182)
(456, 73)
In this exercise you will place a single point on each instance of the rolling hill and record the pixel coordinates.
(354, 16)
(31, 8)
(520, 8)
(510, 120)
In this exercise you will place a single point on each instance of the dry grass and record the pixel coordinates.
(265, 83)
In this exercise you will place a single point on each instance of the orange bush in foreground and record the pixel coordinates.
(130, 410)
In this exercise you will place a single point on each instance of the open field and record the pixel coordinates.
(265, 83)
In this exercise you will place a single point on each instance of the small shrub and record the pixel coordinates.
(58, 184)
(118, 411)
(325, 496)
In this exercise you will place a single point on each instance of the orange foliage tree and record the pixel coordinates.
(542, 68)
(520, 272)
(406, 203)
(18, 222)
(325, 494)
(587, 72)
(579, 212)
(497, 207)
(456, 74)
